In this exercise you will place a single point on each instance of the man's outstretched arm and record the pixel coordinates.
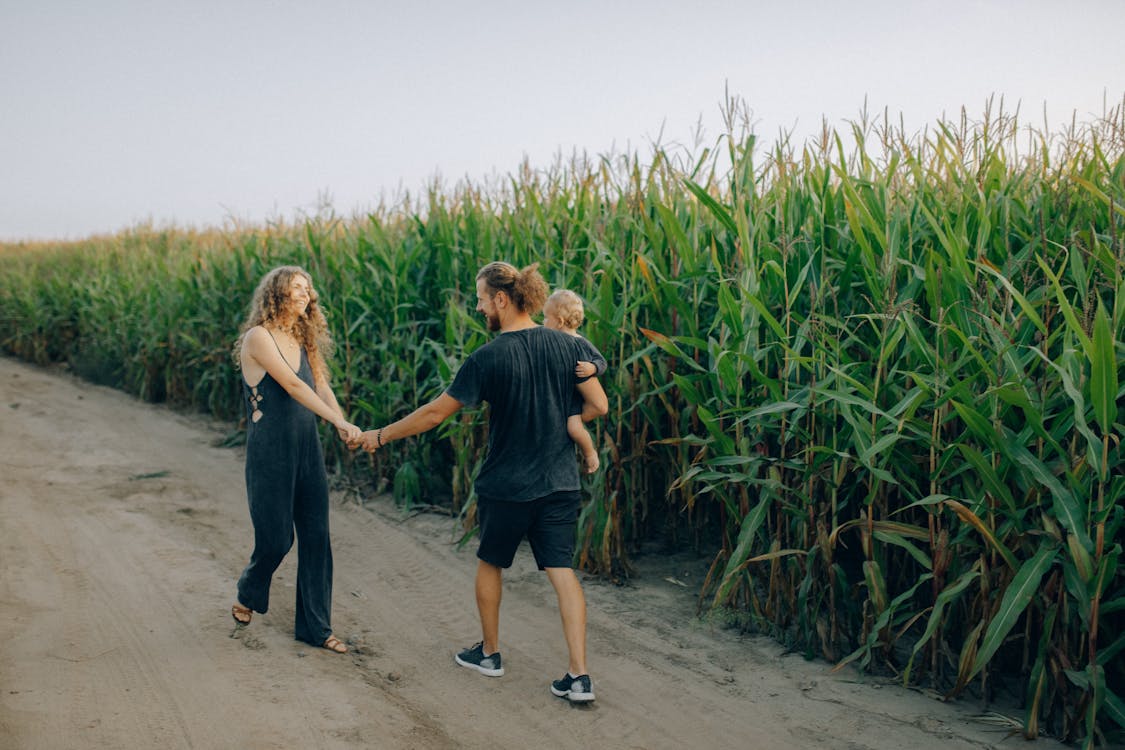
(422, 419)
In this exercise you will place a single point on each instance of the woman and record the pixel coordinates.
(281, 351)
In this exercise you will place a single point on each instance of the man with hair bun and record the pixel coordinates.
(528, 485)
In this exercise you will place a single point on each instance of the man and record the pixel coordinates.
(528, 484)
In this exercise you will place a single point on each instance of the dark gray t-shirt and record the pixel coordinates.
(527, 377)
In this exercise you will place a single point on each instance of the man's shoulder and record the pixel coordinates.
(527, 340)
(535, 334)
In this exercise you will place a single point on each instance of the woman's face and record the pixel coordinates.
(300, 294)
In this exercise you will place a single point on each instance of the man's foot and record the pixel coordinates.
(474, 658)
(335, 645)
(591, 462)
(578, 689)
(241, 614)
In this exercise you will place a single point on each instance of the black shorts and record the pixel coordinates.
(549, 523)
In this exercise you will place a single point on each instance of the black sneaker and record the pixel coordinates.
(575, 689)
(474, 658)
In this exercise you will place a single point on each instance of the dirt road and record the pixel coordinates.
(124, 529)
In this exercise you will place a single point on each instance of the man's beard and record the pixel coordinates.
(493, 322)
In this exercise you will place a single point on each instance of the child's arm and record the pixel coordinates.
(594, 364)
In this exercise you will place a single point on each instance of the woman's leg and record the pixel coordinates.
(271, 512)
(313, 622)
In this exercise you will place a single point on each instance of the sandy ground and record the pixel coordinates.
(124, 529)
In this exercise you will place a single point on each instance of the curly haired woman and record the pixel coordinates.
(281, 351)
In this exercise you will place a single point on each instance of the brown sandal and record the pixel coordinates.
(241, 614)
(335, 645)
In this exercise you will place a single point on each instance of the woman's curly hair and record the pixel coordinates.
(310, 328)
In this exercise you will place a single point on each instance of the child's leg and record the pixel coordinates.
(579, 435)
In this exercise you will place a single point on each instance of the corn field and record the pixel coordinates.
(874, 378)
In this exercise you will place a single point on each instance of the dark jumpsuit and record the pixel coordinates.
(287, 488)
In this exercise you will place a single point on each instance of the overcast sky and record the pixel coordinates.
(115, 112)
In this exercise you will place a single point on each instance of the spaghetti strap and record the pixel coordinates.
(276, 346)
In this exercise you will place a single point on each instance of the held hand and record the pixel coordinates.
(585, 369)
(348, 432)
(355, 441)
(370, 441)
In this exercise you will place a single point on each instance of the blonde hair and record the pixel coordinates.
(525, 287)
(567, 307)
(310, 327)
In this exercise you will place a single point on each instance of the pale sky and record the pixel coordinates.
(193, 113)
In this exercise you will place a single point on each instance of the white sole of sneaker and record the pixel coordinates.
(572, 696)
(483, 670)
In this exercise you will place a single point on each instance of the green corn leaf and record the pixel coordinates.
(1110, 652)
(1093, 444)
(750, 525)
(777, 407)
(1037, 677)
(1027, 307)
(1100, 194)
(1114, 708)
(1107, 573)
(988, 477)
(1103, 372)
(718, 211)
(770, 320)
(731, 309)
(880, 625)
(921, 557)
(1065, 505)
(927, 501)
(980, 427)
(669, 346)
(1097, 700)
(878, 448)
(948, 595)
(1017, 596)
(1067, 309)
(673, 229)
(1078, 588)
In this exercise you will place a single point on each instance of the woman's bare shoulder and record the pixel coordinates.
(254, 340)
(254, 334)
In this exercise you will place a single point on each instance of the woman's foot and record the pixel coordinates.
(335, 645)
(241, 614)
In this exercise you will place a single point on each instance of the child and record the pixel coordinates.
(563, 312)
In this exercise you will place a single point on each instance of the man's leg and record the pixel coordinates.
(572, 609)
(489, 588)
